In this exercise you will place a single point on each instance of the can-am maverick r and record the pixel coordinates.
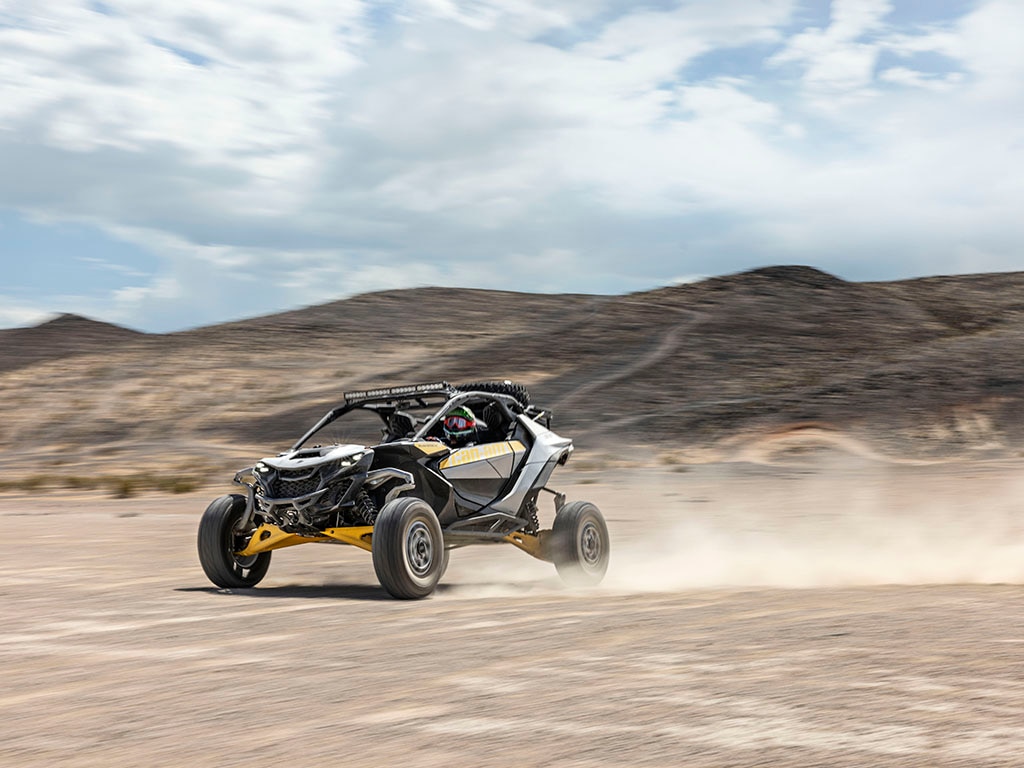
(410, 498)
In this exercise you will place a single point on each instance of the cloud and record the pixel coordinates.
(912, 77)
(521, 18)
(118, 79)
(317, 149)
(837, 58)
(852, 19)
(109, 266)
(15, 313)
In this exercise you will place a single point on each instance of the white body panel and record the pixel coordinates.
(314, 457)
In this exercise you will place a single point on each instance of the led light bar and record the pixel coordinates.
(412, 389)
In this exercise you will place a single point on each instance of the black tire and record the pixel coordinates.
(518, 391)
(579, 544)
(218, 543)
(408, 548)
(444, 564)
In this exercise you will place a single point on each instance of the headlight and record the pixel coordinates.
(355, 458)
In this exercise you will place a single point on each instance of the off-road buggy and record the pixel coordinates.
(409, 498)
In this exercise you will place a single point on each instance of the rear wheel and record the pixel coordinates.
(408, 548)
(579, 544)
(218, 542)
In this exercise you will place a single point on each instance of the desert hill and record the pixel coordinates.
(63, 336)
(744, 365)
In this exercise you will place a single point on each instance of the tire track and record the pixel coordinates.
(668, 344)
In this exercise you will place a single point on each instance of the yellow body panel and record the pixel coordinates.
(358, 536)
(481, 452)
(430, 447)
(535, 546)
(268, 537)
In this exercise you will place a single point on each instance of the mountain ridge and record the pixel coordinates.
(926, 367)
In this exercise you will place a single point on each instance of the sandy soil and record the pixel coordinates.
(839, 615)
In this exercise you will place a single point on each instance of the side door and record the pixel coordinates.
(478, 473)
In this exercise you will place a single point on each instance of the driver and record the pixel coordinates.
(460, 427)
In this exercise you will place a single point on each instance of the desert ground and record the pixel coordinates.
(813, 487)
(834, 611)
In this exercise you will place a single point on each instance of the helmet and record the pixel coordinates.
(459, 425)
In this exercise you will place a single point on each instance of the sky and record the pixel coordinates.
(166, 165)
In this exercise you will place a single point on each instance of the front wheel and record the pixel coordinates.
(218, 542)
(408, 548)
(579, 544)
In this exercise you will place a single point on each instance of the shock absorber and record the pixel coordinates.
(367, 508)
(531, 516)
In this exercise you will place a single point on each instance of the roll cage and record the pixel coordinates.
(392, 404)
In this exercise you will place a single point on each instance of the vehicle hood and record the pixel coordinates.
(311, 457)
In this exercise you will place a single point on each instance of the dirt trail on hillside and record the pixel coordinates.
(901, 646)
(665, 346)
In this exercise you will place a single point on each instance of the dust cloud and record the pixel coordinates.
(694, 556)
(832, 526)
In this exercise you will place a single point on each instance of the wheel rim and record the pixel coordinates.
(419, 548)
(590, 544)
(245, 563)
(235, 543)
